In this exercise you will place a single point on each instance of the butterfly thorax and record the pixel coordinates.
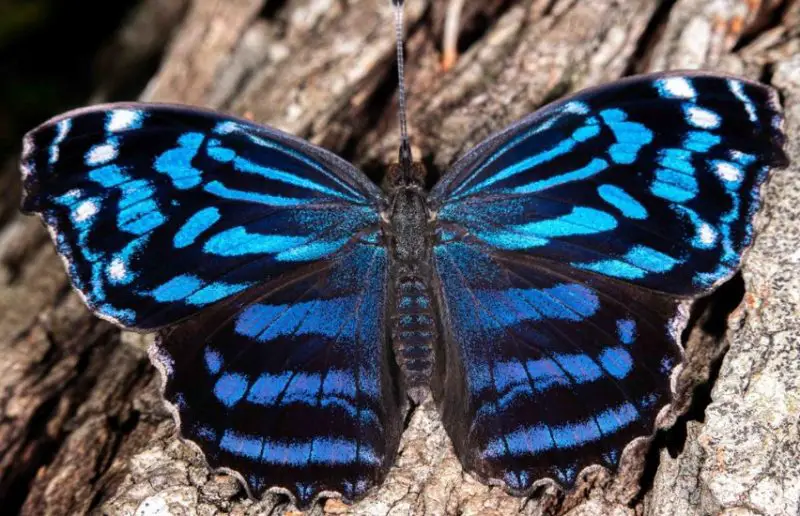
(408, 228)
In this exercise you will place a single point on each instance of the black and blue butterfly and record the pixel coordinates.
(537, 290)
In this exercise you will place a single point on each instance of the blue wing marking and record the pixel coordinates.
(230, 388)
(630, 136)
(238, 241)
(224, 192)
(330, 317)
(637, 263)
(539, 438)
(626, 330)
(197, 224)
(580, 221)
(177, 162)
(622, 201)
(585, 132)
(594, 167)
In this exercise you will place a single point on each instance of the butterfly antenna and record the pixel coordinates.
(405, 147)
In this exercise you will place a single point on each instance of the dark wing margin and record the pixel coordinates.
(292, 387)
(160, 210)
(568, 248)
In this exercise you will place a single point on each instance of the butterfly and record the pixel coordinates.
(538, 290)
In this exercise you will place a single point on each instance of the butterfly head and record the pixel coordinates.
(405, 174)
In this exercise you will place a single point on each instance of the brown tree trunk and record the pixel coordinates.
(82, 428)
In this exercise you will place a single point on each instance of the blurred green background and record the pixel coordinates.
(48, 52)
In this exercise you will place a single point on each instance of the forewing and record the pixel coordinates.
(654, 180)
(290, 386)
(548, 370)
(159, 211)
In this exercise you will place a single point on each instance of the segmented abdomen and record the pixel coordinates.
(414, 332)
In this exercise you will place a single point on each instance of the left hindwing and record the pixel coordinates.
(159, 211)
(290, 384)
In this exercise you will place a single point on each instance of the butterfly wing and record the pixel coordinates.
(161, 210)
(259, 257)
(547, 369)
(291, 385)
(563, 245)
(653, 180)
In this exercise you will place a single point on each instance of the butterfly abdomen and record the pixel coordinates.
(414, 333)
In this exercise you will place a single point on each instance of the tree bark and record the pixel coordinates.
(82, 426)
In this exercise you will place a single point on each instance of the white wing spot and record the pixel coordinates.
(707, 234)
(101, 154)
(577, 108)
(27, 149)
(677, 87)
(27, 146)
(63, 128)
(728, 172)
(737, 88)
(84, 211)
(75, 193)
(117, 270)
(227, 127)
(122, 119)
(702, 118)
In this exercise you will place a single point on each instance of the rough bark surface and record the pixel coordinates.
(82, 427)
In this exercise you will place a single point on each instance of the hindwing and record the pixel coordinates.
(292, 385)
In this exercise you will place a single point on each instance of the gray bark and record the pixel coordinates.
(82, 427)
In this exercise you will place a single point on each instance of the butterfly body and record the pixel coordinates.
(538, 289)
(413, 326)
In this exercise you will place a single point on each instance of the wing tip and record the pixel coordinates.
(779, 157)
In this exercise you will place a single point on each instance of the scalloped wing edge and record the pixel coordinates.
(162, 361)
